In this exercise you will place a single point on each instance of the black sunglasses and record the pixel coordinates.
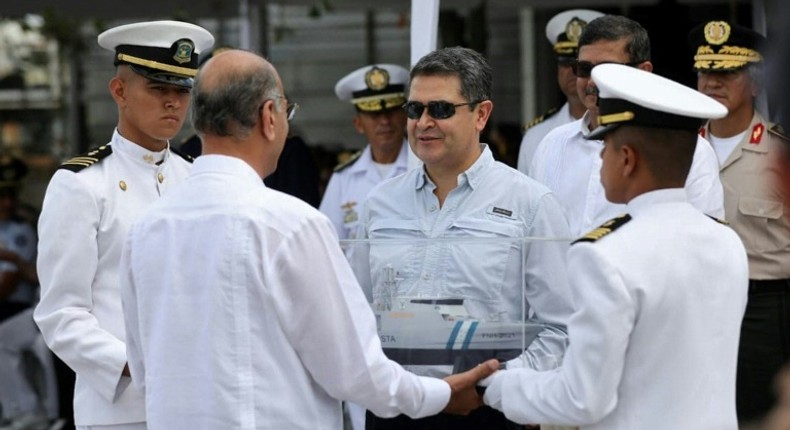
(437, 109)
(583, 69)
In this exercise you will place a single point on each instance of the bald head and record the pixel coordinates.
(229, 91)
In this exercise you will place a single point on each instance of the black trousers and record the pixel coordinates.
(764, 347)
(484, 418)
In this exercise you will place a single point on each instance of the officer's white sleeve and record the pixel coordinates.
(331, 326)
(67, 262)
(538, 167)
(547, 284)
(330, 204)
(703, 185)
(584, 389)
(129, 301)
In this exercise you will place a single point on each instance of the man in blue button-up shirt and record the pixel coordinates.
(462, 192)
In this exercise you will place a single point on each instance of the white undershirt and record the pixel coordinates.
(724, 145)
(384, 169)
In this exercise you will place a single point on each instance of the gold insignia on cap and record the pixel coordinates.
(616, 117)
(377, 79)
(716, 32)
(157, 65)
(728, 58)
(184, 49)
(122, 184)
(574, 29)
(379, 103)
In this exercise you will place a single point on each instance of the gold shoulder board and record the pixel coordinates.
(350, 162)
(75, 164)
(183, 155)
(605, 228)
(537, 120)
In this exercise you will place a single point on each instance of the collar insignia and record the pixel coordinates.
(757, 134)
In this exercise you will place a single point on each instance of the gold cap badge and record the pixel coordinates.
(717, 32)
(574, 29)
(184, 48)
(377, 79)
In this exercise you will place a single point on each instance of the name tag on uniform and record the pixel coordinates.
(500, 212)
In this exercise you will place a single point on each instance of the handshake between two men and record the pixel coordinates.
(464, 396)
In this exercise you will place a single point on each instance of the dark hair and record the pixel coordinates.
(231, 106)
(468, 65)
(617, 27)
(667, 153)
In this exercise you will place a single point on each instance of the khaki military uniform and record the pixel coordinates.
(752, 203)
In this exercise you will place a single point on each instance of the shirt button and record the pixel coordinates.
(161, 178)
(426, 276)
(433, 208)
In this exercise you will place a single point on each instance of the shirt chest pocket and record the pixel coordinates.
(763, 225)
(482, 267)
(396, 248)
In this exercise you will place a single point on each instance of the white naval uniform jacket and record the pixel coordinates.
(82, 228)
(535, 134)
(654, 337)
(570, 165)
(349, 187)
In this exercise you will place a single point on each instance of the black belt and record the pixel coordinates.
(769, 286)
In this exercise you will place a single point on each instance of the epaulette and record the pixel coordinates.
(779, 131)
(537, 120)
(75, 164)
(720, 221)
(605, 228)
(348, 163)
(183, 155)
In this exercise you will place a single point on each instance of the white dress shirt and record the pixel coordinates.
(536, 133)
(491, 200)
(83, 223)
(654, 338)
(349, 187)
(570, 165)
(243, 313)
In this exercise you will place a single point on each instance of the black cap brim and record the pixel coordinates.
(601, 131)
(163, 77)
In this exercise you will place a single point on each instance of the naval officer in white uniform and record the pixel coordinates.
(659, 292)
(377, 93)
(563, 31)
(93, 199)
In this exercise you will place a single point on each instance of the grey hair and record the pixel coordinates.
(616, 27)
(231, 107)
(756, 73)
(468, 65)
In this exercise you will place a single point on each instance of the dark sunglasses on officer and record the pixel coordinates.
(583, 69)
